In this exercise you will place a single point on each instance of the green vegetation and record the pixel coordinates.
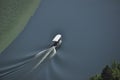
(109, 73)
(14, 15)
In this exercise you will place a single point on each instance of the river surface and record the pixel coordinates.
(91, 39)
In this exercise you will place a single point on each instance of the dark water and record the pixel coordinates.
(91, 39)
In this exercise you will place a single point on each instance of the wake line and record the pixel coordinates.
(41, 56)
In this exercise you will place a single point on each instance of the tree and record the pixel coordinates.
(109, 73)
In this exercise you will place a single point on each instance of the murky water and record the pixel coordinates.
(91, 39)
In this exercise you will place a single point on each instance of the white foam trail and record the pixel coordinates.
(35, 59)
(48, 53)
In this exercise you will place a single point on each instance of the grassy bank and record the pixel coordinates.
(14, 15)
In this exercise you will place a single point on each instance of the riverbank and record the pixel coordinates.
(14, 15)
